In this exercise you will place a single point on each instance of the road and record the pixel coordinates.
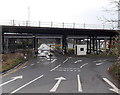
(63, 74)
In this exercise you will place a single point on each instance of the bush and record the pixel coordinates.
(11, 60)
(115, 71)
(70, 51)
(11, 63)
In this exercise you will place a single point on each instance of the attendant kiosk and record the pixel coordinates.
(80, 49)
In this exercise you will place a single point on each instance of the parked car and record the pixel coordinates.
(43, 54)
(49, 55)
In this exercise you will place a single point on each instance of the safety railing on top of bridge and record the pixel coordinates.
(57, 24)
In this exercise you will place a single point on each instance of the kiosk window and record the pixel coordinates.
(81, 49)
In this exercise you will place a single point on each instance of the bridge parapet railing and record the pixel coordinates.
(57, 24)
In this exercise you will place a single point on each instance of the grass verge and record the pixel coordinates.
(11, 60)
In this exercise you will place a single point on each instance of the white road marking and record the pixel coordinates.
(99, 64)
(24, 67)
(69, 57)
(53, 60)
(115, 89)
(79, 84)
(49, 59)
(57, 84)
(38, 62)
(32, 64)
(14, 78)
(97, 61)
(67, 70)
(26, 84)
(55, 67)
(83, 65)
(66, 60)
(78, 61)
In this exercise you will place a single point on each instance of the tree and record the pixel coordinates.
(116, 8)
(117, 65)
(115, 69)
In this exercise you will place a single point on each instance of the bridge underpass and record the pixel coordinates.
(91, 37)
(28, 41)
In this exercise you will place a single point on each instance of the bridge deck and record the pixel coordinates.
(58, 31)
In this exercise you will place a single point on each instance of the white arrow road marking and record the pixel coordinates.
(99, 64)
(78, 61)
(79, 84)
(53, 60)
(83, 65)
(57, 84)
(14, 78)
(27, 84)
(55, 67)
(115, 89)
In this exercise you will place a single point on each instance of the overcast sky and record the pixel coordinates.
(71, 11)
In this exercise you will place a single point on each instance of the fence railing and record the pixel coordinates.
(57, 24)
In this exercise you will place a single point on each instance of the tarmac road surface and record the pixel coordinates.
(62, 74)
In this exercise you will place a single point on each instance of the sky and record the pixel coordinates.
(69, 11)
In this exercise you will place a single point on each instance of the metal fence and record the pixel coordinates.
(57, 24)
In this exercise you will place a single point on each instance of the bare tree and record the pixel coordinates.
(118, 5)
(115, 69)
(116, 8)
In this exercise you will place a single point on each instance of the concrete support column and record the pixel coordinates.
(64, 44)
(99, 45)
(6, 44)
(1, 51)
(35, 42)
(1, 40)
(105, 44)
(61, 42)
(11, 45)
(110, 43)
(76, 41)
(96, 45)
(3, 43)
(90, 44)
(93, 42)
(87, 46)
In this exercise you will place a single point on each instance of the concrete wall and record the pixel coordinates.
(0, 39)
(0, 56)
